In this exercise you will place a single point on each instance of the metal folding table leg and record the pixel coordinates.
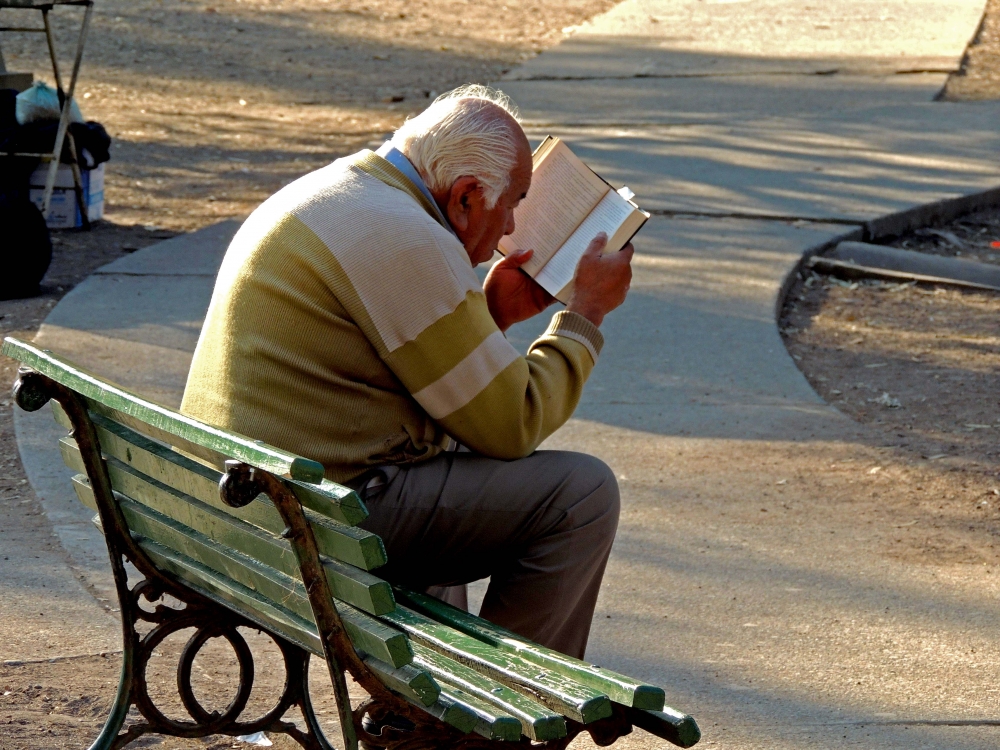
(67, 102)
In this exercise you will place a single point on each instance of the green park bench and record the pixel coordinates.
(237, 533)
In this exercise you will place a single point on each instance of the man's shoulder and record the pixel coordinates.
(351, 212)
(331, 187)
(348, 209)
(365, 222)
(394, 263)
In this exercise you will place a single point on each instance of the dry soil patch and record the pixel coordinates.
(979, 75)
(920, 365)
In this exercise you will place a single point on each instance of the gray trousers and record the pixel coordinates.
(540, 528)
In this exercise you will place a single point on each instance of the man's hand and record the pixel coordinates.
(601, 281)
(512, 295)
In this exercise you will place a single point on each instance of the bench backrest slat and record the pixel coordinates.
(327, 498)
(236, 597)
(346, 543)
(283, 591)
(409, 680)
(619, 688)
(350, 584)
(178, 428)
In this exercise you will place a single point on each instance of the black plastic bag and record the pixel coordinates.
(26, 248)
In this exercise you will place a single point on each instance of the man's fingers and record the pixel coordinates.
(602, 281)
(624, 258)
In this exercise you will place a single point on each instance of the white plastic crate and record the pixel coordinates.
(64, 213)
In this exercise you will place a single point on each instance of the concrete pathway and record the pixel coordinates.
(44, 590)
(749, 574)
(746, 578)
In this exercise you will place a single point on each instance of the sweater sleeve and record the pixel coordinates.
(471, 380)
(409, 285)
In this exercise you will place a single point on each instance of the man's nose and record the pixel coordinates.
(510, 223)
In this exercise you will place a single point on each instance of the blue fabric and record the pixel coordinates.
(398, 159)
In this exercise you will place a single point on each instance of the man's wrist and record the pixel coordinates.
(591, 312)
(498, 317)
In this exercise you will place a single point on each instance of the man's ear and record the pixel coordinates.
(462, 199)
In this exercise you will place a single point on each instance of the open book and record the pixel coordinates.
(566, 207)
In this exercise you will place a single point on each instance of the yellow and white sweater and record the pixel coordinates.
(347, 325)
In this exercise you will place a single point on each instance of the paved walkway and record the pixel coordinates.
(755, 130)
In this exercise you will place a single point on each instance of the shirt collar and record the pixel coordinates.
(398, 159)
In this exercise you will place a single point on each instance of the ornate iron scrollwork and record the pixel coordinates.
(208, 621)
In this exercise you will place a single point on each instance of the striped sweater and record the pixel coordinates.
(347, 325)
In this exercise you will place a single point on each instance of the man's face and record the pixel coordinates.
(480, 228)
(487, 226)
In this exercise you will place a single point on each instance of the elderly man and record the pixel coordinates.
(348, 325)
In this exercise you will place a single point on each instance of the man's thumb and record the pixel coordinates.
(519, 258)
(597, 245)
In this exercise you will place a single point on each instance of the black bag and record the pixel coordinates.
(26, 249)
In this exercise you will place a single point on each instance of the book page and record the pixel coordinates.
(563, 191)
(608, 216)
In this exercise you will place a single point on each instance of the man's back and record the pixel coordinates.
(291, 352)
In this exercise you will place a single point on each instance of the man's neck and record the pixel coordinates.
(400, 161)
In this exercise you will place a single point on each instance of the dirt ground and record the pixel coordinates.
(920, 365)
(979, 76)
(918, 362)
(214, 105)
(63, 704)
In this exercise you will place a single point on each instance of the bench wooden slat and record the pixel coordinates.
(345, 543)
(619, 688)
(568, 697)
(326, 498)
(535, 721)
(452, 712)
(334, 502)
(232, 595)
(367, 633)
(200, 437)
(350, 584)
(670, 725)
(410, 681)
(491, 723)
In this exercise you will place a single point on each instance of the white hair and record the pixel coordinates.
(460, 135)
